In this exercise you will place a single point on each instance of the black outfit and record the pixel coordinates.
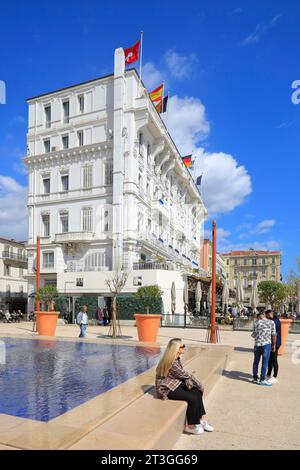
(193, 397)
(273, 362)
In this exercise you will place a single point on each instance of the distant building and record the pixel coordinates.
(251, 264)
(206, 259)
(13, 271)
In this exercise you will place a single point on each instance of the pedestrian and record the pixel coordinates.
(100, 315)
(273, 361)
(174, 383)
(82, 321)
(234, 311)
(105, 316)
(264, 334)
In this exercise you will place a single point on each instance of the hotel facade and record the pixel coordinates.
(108, 190)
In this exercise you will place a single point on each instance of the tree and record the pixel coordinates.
(272, 292)
(148, 294)
(116, 284)
(47, 294)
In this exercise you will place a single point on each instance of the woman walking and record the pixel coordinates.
(174, 383)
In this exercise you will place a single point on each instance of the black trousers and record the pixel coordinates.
(273, 363)
(195, 409)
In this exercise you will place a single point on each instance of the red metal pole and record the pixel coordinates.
(213, 283)
(38, 270)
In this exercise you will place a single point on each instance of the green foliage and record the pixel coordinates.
(47, 294)
(147, 295)
(91, 301)
(273, 292)
(128, 305)
(61, 305)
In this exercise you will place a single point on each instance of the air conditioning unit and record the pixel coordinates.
(54, 149)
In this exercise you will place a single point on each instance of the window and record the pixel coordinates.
(66, 112)
(64, 222)
(106, 221)
(227, 261)
(263, 271)
(235, 262)
(109, 173)
(80, 138)
(87, 176)
(8, 290)
(48, 116)
(140, 142)
(273, 270)
(148, 153)
(21, 272)
(148, 189)
(140, 182)
(245, 261)
(6, 270)
(48, 259)
(46, 225)
(273, 259)
(46, 184)
(149, 226)
(81, 103)
(254, 261)
(47, 145)
(264, 261)
(87, 219)
(65, 182)
(65, 141)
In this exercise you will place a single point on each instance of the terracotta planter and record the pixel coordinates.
(46, 323)
(147, 326)
(285, 325)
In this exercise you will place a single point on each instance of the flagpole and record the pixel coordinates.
(141, 57)
(162, 96)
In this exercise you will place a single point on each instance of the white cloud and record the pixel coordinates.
(13, 210)
(261, 228)
(187, 122)
(20, 168)
(180, 66)
(151, 76)
(260, 29)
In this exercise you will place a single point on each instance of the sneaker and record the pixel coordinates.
(272, 380)
(198, 429)
(207, 427)
(265, 382)
(255, 381)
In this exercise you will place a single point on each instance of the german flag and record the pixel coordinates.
(156, 95)
(161, 107)
(187, 161)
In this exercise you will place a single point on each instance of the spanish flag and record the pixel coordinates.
(156, 95)
(187, 161)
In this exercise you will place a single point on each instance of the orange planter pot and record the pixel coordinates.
(46, 323)
(285, 325)
(147, 326)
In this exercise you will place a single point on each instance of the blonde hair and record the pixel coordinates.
(169, 357)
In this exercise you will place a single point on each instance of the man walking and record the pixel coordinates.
(264, 334)
(273, 361)
(82, 321)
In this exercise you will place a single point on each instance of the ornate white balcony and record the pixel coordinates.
(74, 237)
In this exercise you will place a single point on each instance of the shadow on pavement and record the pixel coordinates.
(241, 349)
(237, 375)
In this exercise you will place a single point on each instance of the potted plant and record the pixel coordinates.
(148, 323)
(47, 320)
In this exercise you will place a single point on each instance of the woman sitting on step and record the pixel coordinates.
(174, 383)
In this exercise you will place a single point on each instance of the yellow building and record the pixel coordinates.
(251, 264)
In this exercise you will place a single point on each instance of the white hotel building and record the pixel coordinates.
(108, 189)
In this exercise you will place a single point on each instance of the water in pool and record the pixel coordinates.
(43, 379)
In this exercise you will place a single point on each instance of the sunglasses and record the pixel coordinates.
(182, 347)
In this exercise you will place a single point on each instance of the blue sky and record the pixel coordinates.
(229, 66)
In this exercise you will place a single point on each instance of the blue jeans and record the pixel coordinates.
(264, 352)
(82, 331)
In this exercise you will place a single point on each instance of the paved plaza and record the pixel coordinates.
(245, 416)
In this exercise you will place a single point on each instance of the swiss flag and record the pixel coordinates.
(132, 53)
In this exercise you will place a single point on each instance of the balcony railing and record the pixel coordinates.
(14, 256)
(153, 265)
(74, 237)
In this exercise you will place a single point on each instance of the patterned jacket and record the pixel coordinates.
(176, 376)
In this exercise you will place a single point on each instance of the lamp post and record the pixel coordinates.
(213, 338)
